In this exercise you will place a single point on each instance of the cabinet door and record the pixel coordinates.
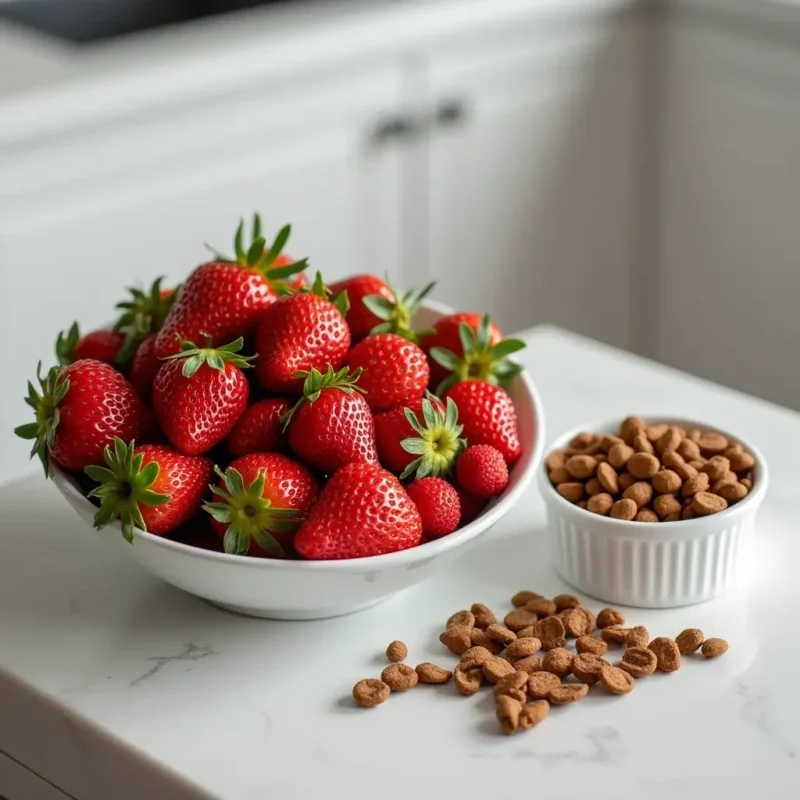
(82, 218)
(532, 192)
(727, 277)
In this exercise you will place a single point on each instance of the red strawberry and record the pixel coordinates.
(298, 333)
(103, 345)
(82, 408)
(225, 298)
(471, 507)
(375, 307)
(143, 315)
(362, 511)
(438, 505)
(259, 429)
(395, 371)
(331, 425)
(150, 487)
(482, 471)
(262, 499)
(199, 394)
(429, 447)
(488, 416)
(145, 366)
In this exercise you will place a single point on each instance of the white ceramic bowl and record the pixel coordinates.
(651, 565)
(299, 590)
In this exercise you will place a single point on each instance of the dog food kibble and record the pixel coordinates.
(567, 693)
(639, 662)
(637, 637)
(533, 713)
(496, 668)
(563, 602)
(558, 661)
(501, 634)
(508, 712)
(714, 647)
(523, 648)
(399, 677)
(523, 597)
(430, 673)
(461, 619)
(479, 638)
(456, 639)
(615, 634)
(591, 645)
(689, 641)
(396, 651)
(586, 667)
(610, 616)
(468, 681)
(656, 473)
(529, 664)
(520, 618)
(616, 680)
(550, 632)
(668, 656)
(514, 680)
(475, 657)
(542, 607)
(577, 622)
(370, 692)
(483, 615)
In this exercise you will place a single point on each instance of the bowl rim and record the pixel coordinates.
(527, 464)
(679, 528)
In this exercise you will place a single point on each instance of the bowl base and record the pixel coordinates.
(298, 616)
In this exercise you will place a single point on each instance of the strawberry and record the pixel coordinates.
(362, 511)
(408, 446)
(225, 298)
(438, 505)
(102, 345)
(199, 394)
(144, 367)
(298, 333)
(331, 424)
(488, 416)
(82, 408)
(150, 487)
(144, 314)
(482, 471)
(259, 429)
(471, 507)
(262, 499)
(395, 371)
(375, 307)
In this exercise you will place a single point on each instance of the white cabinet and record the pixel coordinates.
(727, 283)
(82, 217)
(532, 194)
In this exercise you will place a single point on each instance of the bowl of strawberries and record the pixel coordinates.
(284, 448)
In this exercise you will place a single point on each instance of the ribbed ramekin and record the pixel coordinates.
(651, 565)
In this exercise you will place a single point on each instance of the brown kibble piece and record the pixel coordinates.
(577, 622)
(456, 639)
(741, 462)
(626, 480)
(480, 639)
(584, 440)
(666, 504)
(396, 651)
(559, 476)
(732, 492)
(619, 455)
(729, 477)
(624, 509)
(475, 657)
(688, 513)
(655, 432)
(523, 597)
(607, 477)
(712, 443)
(496, 668)
(520, 618)
(514, 680)
(615, 634)
(591, 645)
(646, 515)
(582, 504)
(541, 683)
(641, 444)
(669, 440)
(639, 662)
(600, 504)
(643, 465)
(714, 647)
(610, 616)
(370, 692)
(667, 481)
(640, 492)
(468, 681)
(568, 693)
(716, 468)
(461, 619)
(581, 467)
(523, 648)
(566, 601)
(484, 616)
(695, 485)
(667, 654)
(638, 636)
(747, 483)
(676, 517)
(527, 632)
(499, 633)
(430, 673)
(608, 441)
(572, 491)
(676, 463)
(706, 503)
(550, 632)
(542, 607)
(630, 427)
(557, 459)
(529, 664)
(399, 677)
(689, 450)
(586, 667)
(533, 713)
(558, 661)
(689, 641)
(616, 680)
(508, 712)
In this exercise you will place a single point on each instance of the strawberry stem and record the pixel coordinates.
(315, 381)
(143, 315)
(398, 313)
(215, 357)
(438, 444)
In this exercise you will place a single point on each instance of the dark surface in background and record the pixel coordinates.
(86, 21)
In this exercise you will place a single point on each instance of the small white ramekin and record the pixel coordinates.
(650, 565)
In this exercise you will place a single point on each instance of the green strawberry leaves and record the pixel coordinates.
(315, 381)
(124, 485)
(397, 314)
(45, 408)
(215, 357)
(143, 315)
(248, 515)
(481, 359)
(340, 300)
(438, 443)
(66, 344)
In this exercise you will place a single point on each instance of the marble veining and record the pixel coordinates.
(191, 652)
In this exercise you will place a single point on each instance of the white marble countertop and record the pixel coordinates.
(130, 686)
